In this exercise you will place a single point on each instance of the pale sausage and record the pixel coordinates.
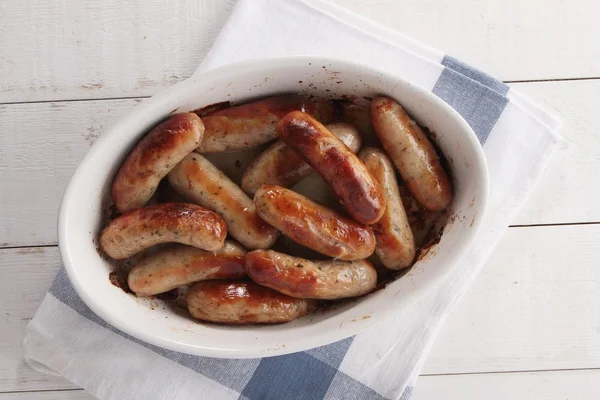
(412, 154)
(198, 179)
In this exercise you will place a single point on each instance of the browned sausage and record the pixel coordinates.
(313, 225)
(163, 223)
(280, 165)
(181, 265)
(152, 159)
(298, 277)
(347, 176)
(395, 241)
(251, 124)
(412, 153)
(198, 179)
(242, 303)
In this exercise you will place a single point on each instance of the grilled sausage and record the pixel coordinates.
(313, 225)
(252, 124)
(198, 179)
(341, 169)
(162, 223)
(395, 241)
(412, 154)
(181, 265)
(152, 159)
(280, 165)
(298, 277)
(242, 303)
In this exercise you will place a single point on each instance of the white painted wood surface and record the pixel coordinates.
(534, 309)
(547, 385)
(39, 164)
(73, 49)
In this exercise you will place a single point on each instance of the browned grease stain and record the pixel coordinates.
(31, 250)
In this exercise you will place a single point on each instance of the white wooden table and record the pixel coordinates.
(529, 328)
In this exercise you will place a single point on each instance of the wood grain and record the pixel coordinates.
(38, 164)
(26, 276)
(547, 385)
(533, 307)
(70, 49)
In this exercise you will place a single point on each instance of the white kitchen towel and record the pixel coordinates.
(518, 139)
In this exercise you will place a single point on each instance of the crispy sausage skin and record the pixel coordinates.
(152, 159)
(198, 179)
(395, 240)
(252, 124)
(313, 225)
(242, 303)
(181, 265)
(412, 154)
(341, 169)
(298, 277)
(280, 165)
(162, 223)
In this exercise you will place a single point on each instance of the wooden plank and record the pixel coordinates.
(26, 276)
(71, 49)
(50, 395)
(547, 385)
(39, 155)
(533, 307)
(40, 148)
(566, 192)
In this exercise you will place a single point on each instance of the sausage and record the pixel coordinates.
(181, 265)
(412, 154)
(162, 223)
(233, 302)
(313, 225)
(395, 240)
(298, 277)
(280, 165)
(252, 124)
(197, 178)
(152, 159)
(341, 169)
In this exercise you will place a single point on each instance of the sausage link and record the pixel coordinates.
(298, 277)
(313, 225)
(280, 165)
(182, 265)
(341, 169)
(242, 303)
(412, 154)
(163, 223)
(252, 124)
(152, 159)
(395, 240)
(198, 179)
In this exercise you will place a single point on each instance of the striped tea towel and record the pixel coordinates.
(518, 138)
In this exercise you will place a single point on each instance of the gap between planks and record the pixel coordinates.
(10, 103)
(510, 227)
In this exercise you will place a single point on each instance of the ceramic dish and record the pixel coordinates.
(85, 200)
